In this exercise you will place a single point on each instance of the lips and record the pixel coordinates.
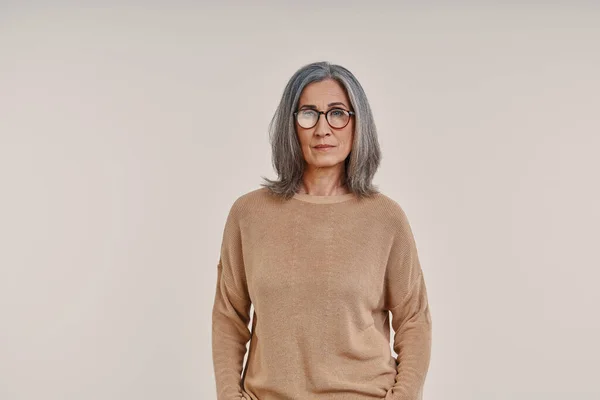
(323, 146)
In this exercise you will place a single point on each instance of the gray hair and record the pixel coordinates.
(287, 157)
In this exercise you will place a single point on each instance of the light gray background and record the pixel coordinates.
(127, 131)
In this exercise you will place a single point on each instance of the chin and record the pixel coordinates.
(326, 163)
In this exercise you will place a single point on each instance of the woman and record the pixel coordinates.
(324, 257)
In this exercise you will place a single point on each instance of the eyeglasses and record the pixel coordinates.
(337, 118)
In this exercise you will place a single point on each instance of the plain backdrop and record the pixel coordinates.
(128, 129)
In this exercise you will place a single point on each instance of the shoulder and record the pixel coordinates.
(388, 207)
(253, 197)
(391, 215)
(248, 202)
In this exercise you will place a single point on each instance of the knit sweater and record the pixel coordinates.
(323, 273)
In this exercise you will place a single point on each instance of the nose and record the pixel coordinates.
(322, 128)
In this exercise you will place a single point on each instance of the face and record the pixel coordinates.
(324, 96)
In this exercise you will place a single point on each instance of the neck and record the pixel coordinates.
(323, 181)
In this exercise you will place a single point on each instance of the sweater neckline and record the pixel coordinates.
(338, 198)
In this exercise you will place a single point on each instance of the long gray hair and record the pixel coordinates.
(287, 158)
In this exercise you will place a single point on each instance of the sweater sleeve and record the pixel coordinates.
(406, 299)
(230, 313)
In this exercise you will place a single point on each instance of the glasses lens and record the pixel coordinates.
(338, 118)
(307, 118)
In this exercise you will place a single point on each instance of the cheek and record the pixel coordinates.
(348, 138)
(303, 137)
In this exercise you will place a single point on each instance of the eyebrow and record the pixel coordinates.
(337, 103)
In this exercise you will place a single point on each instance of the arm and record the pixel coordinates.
(230, 313)
(406, 299)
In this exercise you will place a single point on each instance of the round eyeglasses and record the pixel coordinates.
(337, 118)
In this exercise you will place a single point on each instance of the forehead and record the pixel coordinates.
(322, 93)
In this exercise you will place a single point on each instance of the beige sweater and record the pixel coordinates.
(322, 273)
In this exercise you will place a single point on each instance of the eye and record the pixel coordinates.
(307, 113)
(337, 112)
